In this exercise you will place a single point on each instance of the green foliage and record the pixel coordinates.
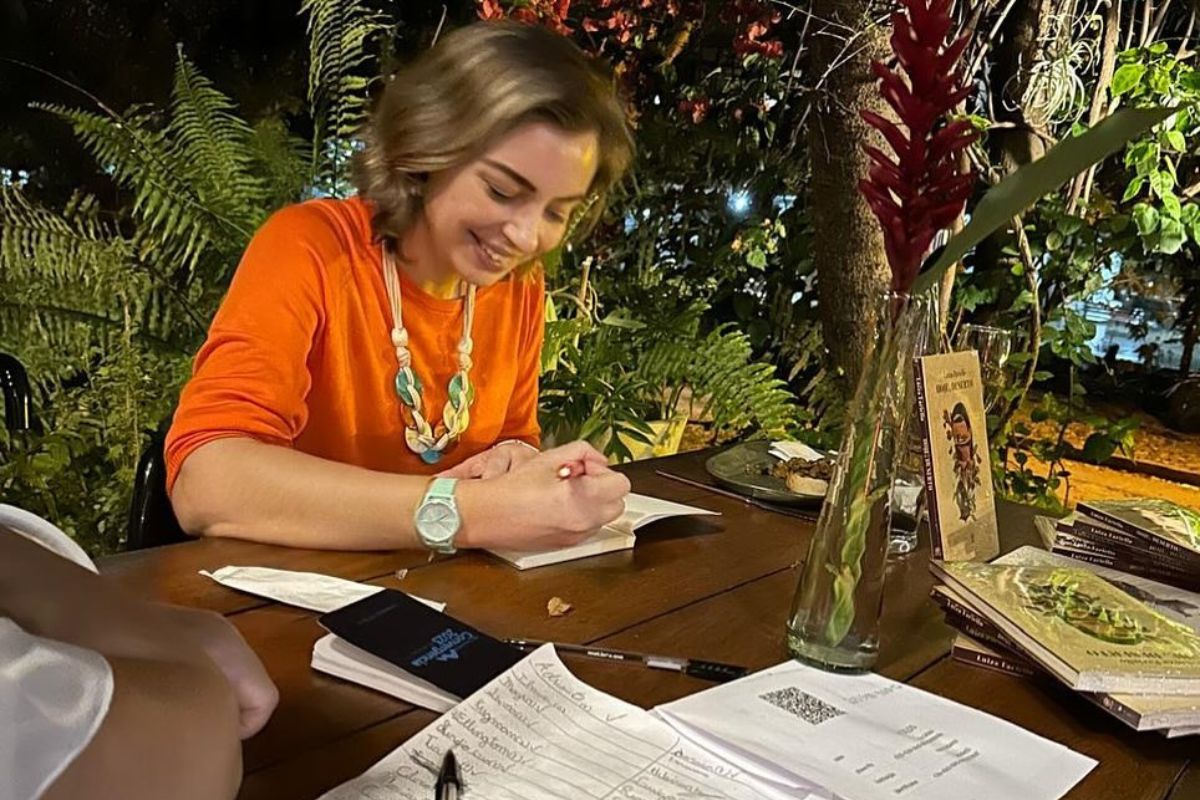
(604, 380)
(106, 309)
(341, 61)
(1024, 187)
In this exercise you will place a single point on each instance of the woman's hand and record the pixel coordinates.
(493, 462)
(532, 508)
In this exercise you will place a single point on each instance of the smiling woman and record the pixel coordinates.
(397, 334)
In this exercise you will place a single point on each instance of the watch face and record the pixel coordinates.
(437, 521)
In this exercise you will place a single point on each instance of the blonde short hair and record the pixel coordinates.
(476, 85)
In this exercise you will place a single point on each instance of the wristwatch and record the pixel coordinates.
(437, 519)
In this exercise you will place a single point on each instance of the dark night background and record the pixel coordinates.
(123, 52)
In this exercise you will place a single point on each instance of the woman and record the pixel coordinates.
(366, 343)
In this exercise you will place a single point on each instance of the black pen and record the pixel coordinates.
(697, 668)
(449, 781)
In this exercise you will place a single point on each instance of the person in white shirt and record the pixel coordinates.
(103, 694)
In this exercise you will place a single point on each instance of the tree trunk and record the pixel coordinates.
(1189, 343)
(847, 246)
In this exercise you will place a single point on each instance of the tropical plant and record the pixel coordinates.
(106, 308)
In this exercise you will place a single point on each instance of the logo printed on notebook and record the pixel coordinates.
(445, 647)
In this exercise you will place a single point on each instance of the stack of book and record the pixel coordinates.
(1155, 539)
(1127, 644)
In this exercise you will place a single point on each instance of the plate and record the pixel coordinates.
(741, 469)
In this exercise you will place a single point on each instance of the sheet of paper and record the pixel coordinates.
(311, 590)
(641, 509)
(537, 733)
(868, 737)
(784, 450)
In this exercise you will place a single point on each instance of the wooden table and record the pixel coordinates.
(716, 588)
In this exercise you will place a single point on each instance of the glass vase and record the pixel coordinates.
(834, 620)
(908, 492)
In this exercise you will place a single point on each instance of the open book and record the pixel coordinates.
(537, 732)
(617, 535)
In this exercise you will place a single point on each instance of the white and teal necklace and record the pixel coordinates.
(426, 440)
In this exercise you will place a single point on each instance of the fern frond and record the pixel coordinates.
(213, 144)
(338, 34)
(144, 161)
(282, 160)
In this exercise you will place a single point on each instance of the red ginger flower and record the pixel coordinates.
(923, 190)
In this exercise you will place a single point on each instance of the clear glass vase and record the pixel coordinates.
(908, 492)
(834, 621)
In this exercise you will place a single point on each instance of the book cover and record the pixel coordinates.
(1086, 631)
(957, 471)
(428, 644)
(1161, 523)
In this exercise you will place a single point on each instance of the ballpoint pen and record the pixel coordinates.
(697, 668)
(449, 781)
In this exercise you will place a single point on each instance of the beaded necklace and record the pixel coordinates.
(426, 440)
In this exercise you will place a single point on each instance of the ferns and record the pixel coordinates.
(338, 32)
(603, 381)
(719, 371)
(213, 143)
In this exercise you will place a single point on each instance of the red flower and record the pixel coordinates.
(696, 108)
(490, 9)
(923, 190)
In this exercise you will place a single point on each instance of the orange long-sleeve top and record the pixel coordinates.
(300, 353)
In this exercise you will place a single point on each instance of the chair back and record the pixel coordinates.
(152, 520)
(18, 402)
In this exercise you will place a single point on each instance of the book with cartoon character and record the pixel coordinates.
(957, 472)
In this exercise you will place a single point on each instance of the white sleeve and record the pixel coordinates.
(53, 696)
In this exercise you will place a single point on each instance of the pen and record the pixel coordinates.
(570, 470)
(449, 781)
(697, 668)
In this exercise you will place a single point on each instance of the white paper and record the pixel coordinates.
(335, 656)
(640, 510)
(537, 733)
(311, 590)
(784, 450)
(868, 737)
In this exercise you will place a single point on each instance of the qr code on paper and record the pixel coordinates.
(800, 704)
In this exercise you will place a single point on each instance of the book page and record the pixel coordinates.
(617, 535)
(537, 732)
(641, 510)
(869, 738)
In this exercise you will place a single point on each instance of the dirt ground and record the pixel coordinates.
(1153, 443)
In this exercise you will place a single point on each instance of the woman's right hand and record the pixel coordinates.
(532, 508)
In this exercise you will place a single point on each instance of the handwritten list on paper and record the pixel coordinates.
(538, 732)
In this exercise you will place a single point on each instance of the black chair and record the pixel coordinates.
(152, 521)
(18, 401)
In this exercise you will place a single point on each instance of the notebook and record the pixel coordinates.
(398, 645)
(619, 534)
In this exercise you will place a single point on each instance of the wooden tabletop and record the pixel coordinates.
(716, 588)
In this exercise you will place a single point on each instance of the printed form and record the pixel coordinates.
(537, 732)
(869, 737)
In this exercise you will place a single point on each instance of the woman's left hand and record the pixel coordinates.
(494, 461)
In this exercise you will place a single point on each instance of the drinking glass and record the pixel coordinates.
(993, 346)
